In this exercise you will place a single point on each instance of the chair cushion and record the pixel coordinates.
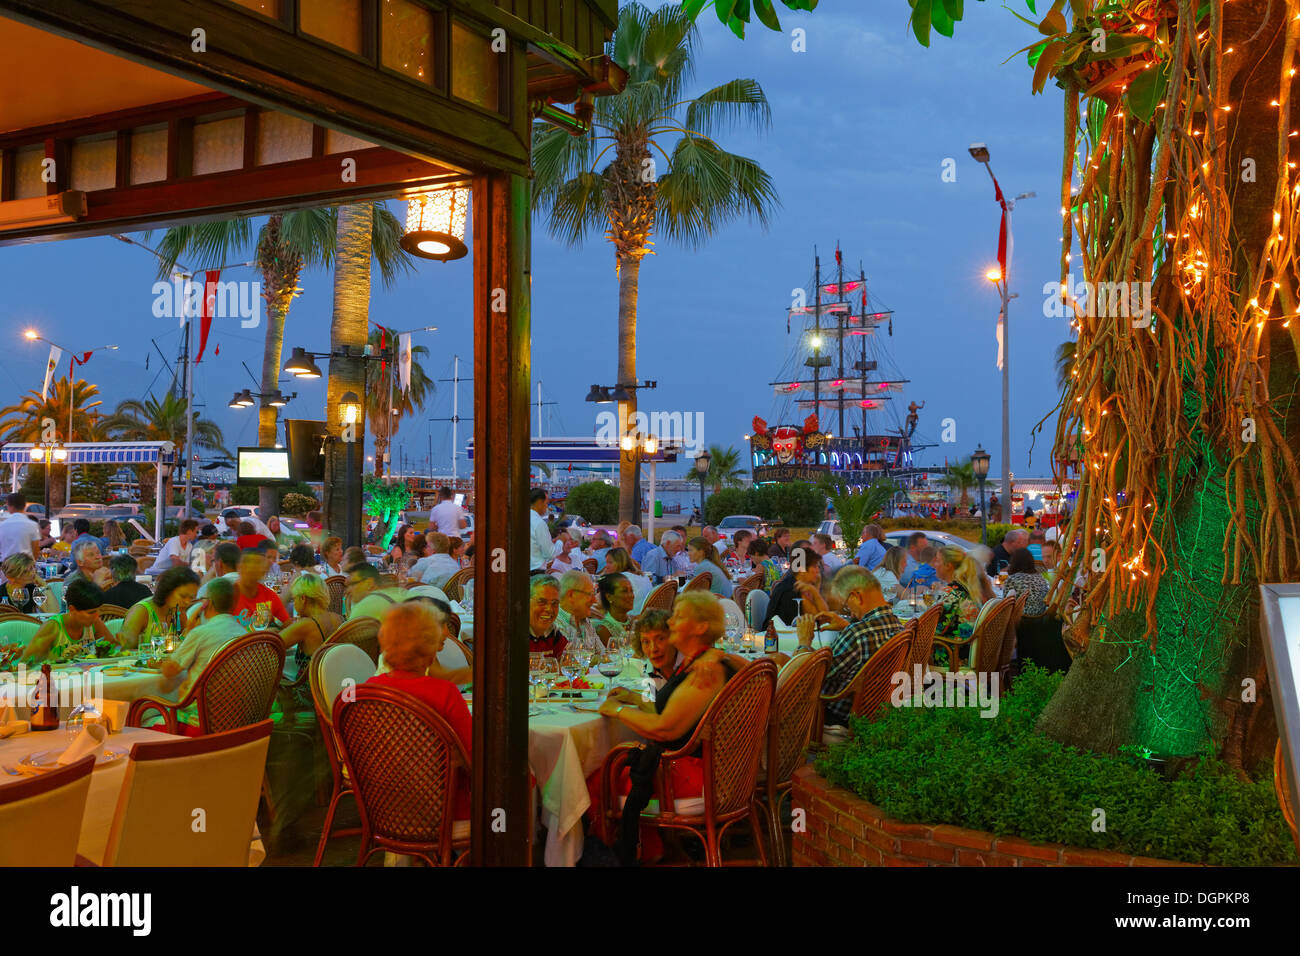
(684, 806)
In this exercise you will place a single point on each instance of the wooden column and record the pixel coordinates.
(502, 324)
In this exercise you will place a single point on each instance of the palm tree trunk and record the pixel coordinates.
(629, 509)
(349, 326)
(280, 271)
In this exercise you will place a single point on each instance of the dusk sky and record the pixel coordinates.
(862, 123)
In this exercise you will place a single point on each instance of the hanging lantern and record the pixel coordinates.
(435, 224)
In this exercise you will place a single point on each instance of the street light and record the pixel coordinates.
(622, 393)
(50, 451)
(702, 462)
(979, 462)
(1001, 278)
(349, 415)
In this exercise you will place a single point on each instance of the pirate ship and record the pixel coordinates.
(840, 383)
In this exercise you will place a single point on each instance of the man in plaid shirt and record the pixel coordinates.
(871, 623)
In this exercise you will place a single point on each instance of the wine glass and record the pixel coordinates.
(467, 597)
(534, 672)
(611, 661)
(81, 715)
(733, 634)
(550, 672)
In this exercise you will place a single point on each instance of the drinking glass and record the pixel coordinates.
(534, 672)
(261, 617)
(84, 713)
(611, 661)
(733, 634)
(550, 672)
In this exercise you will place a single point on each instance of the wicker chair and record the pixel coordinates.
(236, 689)
(112, 612)
(794, 714)
(361, 631)
(1009, 642)
(589, 565)
(143, 564)
(405, 761)
(455, 586)
(453, 625)
(326, 665)
(337, 584)
(923, 638)
(661, 597)
(138, 548)
(10, 613)
(985, 642)
(701, 582)
(753, 583)
(872, 684)
(730, 739)
(1285, 798)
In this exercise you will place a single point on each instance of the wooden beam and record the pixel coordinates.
(122, 161)
(380, 174)
(500, 821)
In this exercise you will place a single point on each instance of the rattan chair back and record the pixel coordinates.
(874, 681)
(337, 584)
(455, 586)
(238, 686)
(361, 631)
(701, 582)
(661, 597)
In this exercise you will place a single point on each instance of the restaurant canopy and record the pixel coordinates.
(160, 454)
(128, 114)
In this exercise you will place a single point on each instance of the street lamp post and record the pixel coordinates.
(1001, 278)
(50, 451)
(623, 393)
(979, 461)
(349, 415)
(702, 462)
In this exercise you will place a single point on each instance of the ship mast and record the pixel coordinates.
(839, 262)
(863, 363)
(817, 336)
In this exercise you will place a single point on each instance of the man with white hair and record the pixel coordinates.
(1015, 539)
(658, 562)
(574, 620)
(710, 534)
(90, 565)
(634, 540)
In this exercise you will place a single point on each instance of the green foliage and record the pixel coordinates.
(950, 765)
(294, 503)
(960, 478)
(854, 509)
(735, 13)
(247, 495)
(385, 500)
(997, 532)
(90, 482)
(728, 501)
(594, 500)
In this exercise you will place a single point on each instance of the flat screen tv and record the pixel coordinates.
(263, 466)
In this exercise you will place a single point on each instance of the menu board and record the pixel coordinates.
(1280, 628)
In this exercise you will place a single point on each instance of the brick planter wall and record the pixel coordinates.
(841, 829)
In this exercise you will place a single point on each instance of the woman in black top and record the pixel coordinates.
(696, 624)
(20, 576)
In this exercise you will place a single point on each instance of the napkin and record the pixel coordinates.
(6, 713)
(13, 728)
(89, 741)
(114, 712)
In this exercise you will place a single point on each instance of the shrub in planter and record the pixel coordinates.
(997, 532)
(951, 765)
(594, 500)
(295, 503)
(728, 501)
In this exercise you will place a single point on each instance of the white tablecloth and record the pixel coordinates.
(105, 782)
(75, 685)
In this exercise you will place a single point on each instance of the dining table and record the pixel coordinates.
(85, 679)
(105, 780)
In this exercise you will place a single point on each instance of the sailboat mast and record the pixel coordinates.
(817, 321)
(839, 263)
(863, 277)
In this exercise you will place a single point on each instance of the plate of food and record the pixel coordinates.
(43, 761)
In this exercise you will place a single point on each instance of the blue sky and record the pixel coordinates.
(862, 123)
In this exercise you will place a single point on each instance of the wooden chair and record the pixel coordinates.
(729, 738)
(331, 668)
(701, 582)
(40, 816)
(406, 763)
(143, 563)
(985, 642)
(1281, 787)
(455, 586)
(361, 631)
(661, 597)
(794, 714)
(236, 689)
(112, 612)
(923, 638)
(167, 779)
(740, 595)
(1009, 643)
(337, 584)
(872, 684)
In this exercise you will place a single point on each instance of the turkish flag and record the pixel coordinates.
(210, 278)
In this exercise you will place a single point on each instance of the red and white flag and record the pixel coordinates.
(210, 279)
(55, 354)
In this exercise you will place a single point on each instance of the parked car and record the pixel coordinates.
(942, 538)
(832, 528)
(173, 513)
(240, 511)
(36, 512)
(729, 525)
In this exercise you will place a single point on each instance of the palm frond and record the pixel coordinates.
(311, 234)
(708, 187)
(734, 103)
(557, 158)
(577, 208)
(203, 245)
(385, 244)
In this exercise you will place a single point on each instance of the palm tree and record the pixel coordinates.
(151, 419)
(961, 478)
(703, 188)
(724, 468)
(1064, 364)
(22, 422)
(854, 509)
(385, 412)
(285, 245)
(364, 233)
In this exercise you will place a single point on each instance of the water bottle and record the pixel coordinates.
(770, 644)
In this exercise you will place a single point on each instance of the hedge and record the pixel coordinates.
(793, 503)
(593, 500)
